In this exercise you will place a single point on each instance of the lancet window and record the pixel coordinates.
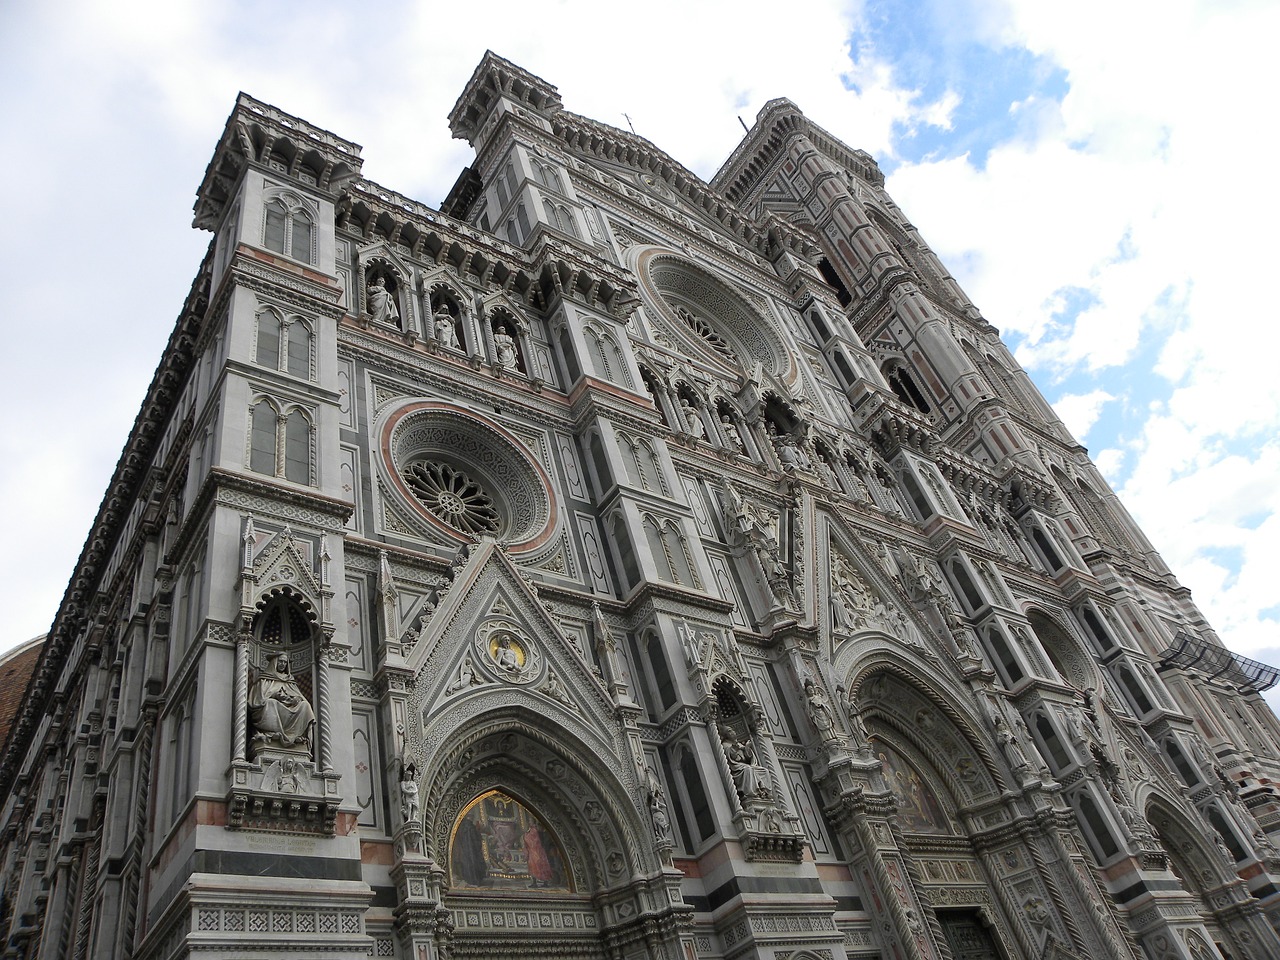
(288, 229)
(284, 344)
(280, 441)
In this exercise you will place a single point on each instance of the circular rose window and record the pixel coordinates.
(466, 475)
(453, 496)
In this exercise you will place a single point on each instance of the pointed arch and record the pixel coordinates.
(289, 225)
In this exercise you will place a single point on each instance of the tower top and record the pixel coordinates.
(493, 79)
(258, 132)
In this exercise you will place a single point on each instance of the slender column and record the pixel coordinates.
(241, 708)
(324, 753)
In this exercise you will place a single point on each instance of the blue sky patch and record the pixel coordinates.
(937, 47)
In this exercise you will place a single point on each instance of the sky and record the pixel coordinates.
(1097, 176)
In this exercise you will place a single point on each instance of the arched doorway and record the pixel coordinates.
(539, 848)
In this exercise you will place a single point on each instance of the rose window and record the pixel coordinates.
(707, 333)
(464, 476)
(452, 496)
(712, 313)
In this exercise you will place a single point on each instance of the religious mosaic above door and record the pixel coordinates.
(918, 806)
(498, 844)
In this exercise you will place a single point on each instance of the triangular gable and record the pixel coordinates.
(861, 595)
(279, 560)
(492, 639)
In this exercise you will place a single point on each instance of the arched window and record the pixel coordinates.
(1180, 762)
(833, 279)
(1003, 653)
(550, 179)
(297, 447)
(1096, 631)
(1228, 835)
(606, 356)
(280, 444)
(919, 499)
(960, 576)
(627, 554)
(284, 344)
(269, 340)
(288, 230)
(262, 438)
(1097, 830)
(298, 360)
(669, 550)
(1136, 692)
(904, 387)
(650, 382)
(1048, 735)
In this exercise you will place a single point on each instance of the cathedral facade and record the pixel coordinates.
(612, 564)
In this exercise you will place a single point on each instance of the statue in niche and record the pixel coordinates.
(506, 349)
(658, 809)
(410, 810)
(446, 335)
(382, 302)
(697, 429)
(748, 777)
(861, 736)
(281, 715)
(819, 711)
(732, 438)
(789, 453)
(756, 526)
(1009, 743)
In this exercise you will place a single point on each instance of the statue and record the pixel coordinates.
(697, 429)
(819, 711)
(747, 777)
(281, 715)
(789, 454)
(506, 349)
(506, 657)
(409, 808)
(467, 677)
(732, 438)
(658, 809)
(382, 302)
(554, 688)
(1008, 741)
(446, 335)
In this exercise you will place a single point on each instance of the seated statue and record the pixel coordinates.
(281, 715)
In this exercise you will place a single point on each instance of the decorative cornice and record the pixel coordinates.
(256, 132)
(496, 77)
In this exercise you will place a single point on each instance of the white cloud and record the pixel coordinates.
(1080, 411)
(1144, 194)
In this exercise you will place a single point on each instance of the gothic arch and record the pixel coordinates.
(716, 319)
(557, 773)
(1199, 866)
(892, 693)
